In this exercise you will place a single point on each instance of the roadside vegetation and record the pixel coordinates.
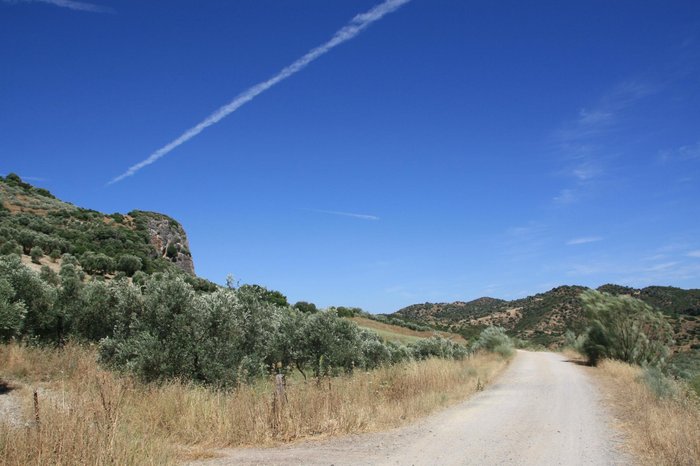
(154, 370)
(659, 415)
(89, 415)
(657, 402)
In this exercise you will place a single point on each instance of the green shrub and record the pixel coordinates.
(12, 312)
(660, 384)
(36, 253)
(55, 255)
(129, 264)
(439, 347)
(625, 328)
(694, 384)
(11, 247)
(97, 263)
(494, 339)
(307, 308)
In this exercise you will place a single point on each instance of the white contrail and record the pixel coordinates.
(353, 28)
(71, 4)
(345, 214)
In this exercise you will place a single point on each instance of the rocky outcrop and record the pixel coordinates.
(168, 239)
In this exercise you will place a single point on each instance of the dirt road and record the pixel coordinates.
(542, 411)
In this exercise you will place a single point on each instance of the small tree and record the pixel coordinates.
(10, 247)
(625, 328)
(36, 253)
(55, 255)
(97, 263)
(306, 308)
(11, 312)
(129, 264)
(494, 339)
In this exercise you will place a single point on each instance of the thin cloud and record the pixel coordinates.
(581, 142)
(566, 196)
(694, 254)
(683, 153)
(345, 214)
(70, 4)
(358, 24)
(583, 240)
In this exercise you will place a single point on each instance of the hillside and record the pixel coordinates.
(32, 219)
(545, 317)
(390, 332)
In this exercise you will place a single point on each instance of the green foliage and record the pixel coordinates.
(49, 276)
(575, 342)
(494, 339)
(660, 384)
(161, 328)
(391, 320)
(36, 253)
(262, 293)
(129, 264)
(97, 263)
(694, 384)
(348, 311)
(12, 312)
(439, 347)
(55, 255)
(307, 308)
(171, 251)
(41, 220)
(35, 295)
(10, 247)
(625, 328)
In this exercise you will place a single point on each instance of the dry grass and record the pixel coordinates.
(659, 431)
(402, 334)
(91, 416)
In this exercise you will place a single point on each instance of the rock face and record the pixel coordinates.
(169, 240)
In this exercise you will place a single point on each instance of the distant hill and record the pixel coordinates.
(545, 317)
(32, 218)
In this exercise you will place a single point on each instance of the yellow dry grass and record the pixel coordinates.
(659, 431)
(402, 334)
(91, 416)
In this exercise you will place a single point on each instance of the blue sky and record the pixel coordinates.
(448, 151)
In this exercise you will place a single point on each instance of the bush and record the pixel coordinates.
(307, 308)
(571, 340)
(36, 296)
(55, 255)
(11, 312)
(97, 263)
(36, 253)
(494, 339)
(11, 247)
(129, 264)
(439, 347)
(661, 385)
(625, 328)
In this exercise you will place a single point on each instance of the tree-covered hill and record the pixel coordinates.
(42, 228)
(545, 317)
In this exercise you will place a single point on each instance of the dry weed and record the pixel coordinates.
(91, 416)
(660, 431)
